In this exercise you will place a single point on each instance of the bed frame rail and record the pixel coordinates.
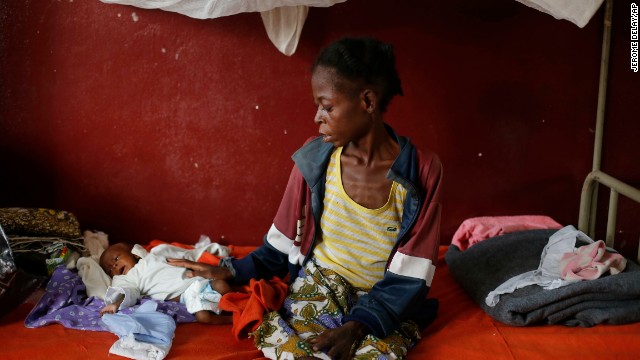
(589, 197)
(586, 222)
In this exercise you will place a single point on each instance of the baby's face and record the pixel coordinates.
(117, 259)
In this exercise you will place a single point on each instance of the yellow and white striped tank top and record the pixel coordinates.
(356, 241)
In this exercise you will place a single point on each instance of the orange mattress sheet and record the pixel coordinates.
(461, 331)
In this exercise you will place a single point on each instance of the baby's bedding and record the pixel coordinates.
(66, 302)
(76, 304)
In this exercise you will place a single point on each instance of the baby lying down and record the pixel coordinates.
(137, 272)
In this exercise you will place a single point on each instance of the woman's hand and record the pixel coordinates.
(200, 269)
(340, 342)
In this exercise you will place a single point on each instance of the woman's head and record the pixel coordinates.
(366, 63)
(117, 259)
(353, 81)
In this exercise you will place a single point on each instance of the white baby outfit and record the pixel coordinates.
(154, 277)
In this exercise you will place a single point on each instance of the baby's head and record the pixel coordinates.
(117, 259)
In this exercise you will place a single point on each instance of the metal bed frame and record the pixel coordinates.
(589, 197)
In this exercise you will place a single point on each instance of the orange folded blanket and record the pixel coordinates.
(259, 298)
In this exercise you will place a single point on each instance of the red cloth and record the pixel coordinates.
(249, 307)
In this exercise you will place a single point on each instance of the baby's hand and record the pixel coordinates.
(109, 309)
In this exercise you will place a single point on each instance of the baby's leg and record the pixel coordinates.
(221, 286)
(207, 317)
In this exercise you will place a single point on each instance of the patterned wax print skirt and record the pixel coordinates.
(317, 300)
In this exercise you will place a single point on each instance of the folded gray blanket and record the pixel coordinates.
(610, 299)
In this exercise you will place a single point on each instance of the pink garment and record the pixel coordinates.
(590, 262)
(474, 230)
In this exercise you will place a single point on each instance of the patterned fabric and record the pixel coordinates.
(39, 222)
(318, 300)
(356, 241)
(65, 302)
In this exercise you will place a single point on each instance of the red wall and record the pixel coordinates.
(170, 127)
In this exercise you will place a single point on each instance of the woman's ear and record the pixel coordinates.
(369, 100)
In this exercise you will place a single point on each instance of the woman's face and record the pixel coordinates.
(341, 113)
(117, 259)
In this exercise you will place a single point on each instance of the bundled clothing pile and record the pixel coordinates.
(548, 276)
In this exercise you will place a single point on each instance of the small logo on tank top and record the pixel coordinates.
(392, 228)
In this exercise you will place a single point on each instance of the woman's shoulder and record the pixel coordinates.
(428, 163)
(428, 157)
(425, 156)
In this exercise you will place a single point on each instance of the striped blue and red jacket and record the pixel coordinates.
(402, 293)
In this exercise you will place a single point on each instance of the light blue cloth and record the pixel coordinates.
(145, 324)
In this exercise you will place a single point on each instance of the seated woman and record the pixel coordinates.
(358, 226)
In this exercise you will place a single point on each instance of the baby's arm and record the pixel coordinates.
(113, 307)
(109, 309)
(122, 292)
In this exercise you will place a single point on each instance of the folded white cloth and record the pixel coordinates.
(132, 349)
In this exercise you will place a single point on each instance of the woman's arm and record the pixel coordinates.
(262, 263)
(203, 270)
(272, 258)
